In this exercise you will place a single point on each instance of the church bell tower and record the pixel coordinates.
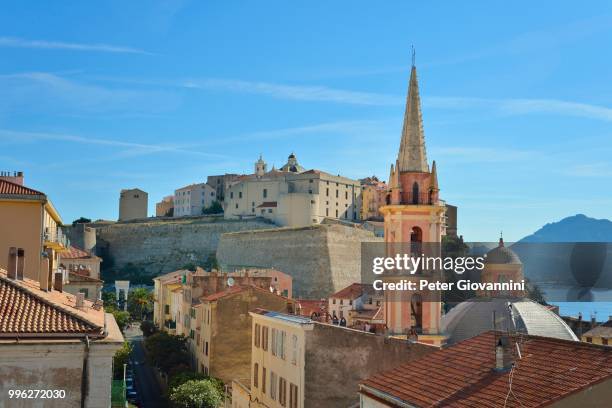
(414, 224)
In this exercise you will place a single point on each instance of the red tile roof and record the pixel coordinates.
(74, 277)
(10, 188)
(463, 376)
(26, 311)
(352, 291)
(235, 289)
(75, 253)
(310, 306)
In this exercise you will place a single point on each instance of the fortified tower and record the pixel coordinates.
(414, 224)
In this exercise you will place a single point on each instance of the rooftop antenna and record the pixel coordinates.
(413, 56)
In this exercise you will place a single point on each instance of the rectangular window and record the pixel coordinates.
(264, 338)
(293, 396)
(327, 192)
(273, 342)
(337, 192)
(589, 339)
(265, 193)
(327, 212)
(346, 195)
(257, 335)
(256, 375)
(231, 194)
(294, 349)
(282, 391)
(240, 194)
(206, 350)
(604, 341)
(263, 380)
(273, 384)
(167, 309)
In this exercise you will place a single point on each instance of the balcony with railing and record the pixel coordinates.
(409, 197)
(56, 239)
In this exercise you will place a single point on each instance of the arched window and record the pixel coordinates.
(415, 193)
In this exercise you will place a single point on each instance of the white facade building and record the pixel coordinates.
(293, 196)
(192, 199)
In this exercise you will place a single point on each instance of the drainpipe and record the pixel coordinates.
(84, 376)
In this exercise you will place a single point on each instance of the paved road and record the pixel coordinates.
(146, 384)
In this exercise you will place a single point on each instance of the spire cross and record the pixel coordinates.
(413, 56)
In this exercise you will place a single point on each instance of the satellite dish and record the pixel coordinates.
(230, 282)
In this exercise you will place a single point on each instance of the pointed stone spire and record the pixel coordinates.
(434, 176)
(412, 155)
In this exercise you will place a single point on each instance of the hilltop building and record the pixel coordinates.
(374, 193)
(133, 204)
(496, 370)
(193, 199)
(221, 183)
(359, 305)
(293, 196)
(165, 207)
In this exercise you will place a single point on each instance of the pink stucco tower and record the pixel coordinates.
(414, 223)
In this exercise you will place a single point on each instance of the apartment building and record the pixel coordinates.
(292, 196)
(51, 339)
(220, 333)
(193, 199)
(163, 301)
(358, 306)
(297, 362)
(31, 232)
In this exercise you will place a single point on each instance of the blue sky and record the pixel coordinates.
(99, 96)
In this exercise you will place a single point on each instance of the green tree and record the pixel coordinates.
(148, 328)
(120, 358)
(168, 352)
(122, 318)
(110, 301)
(214, 208)
(139, 302)
(81, 220)
(196, 394)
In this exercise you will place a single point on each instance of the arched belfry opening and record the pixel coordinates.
(415, 193)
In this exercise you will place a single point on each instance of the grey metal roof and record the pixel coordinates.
(475, 316)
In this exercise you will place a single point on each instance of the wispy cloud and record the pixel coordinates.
(482, 154)
(520, 106)
(295, 92)
(125, 149)
(60, 45)
(49, 92)
(591, 170)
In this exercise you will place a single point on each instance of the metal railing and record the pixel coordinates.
(57, 236)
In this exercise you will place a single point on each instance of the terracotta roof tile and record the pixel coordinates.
(75, 253)
(28, 311)
(352, 291)
(10, 188)
(74, 277)
(463, 376)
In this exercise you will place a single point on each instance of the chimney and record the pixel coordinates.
(20, 263)
(12, 176)
(58, 282)
(80, 300)
(593, 320)
(503, 354)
